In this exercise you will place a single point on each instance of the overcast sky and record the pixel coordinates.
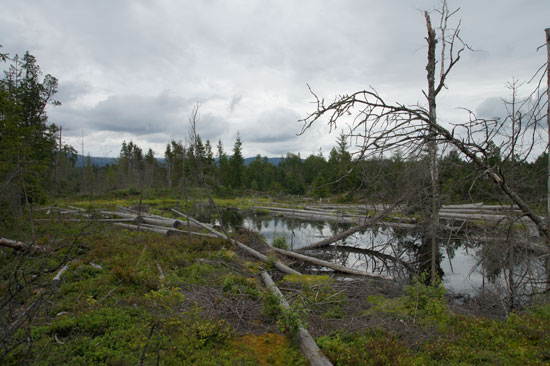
(132, 70)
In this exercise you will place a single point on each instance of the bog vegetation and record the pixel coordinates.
(76, 289)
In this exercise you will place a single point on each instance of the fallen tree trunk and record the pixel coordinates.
(323, 263)
(154, 229)
(19, 245)
(172, 222)
(485, 217)
(195, 233)
(120, 214)
(162, 222)
(312, 215)
(280, 266)
(350, 231)
(305, 342)
(88, 220)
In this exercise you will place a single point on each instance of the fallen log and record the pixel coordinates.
(154, 229)
(485, 217)
(88, 220)
(162, 222)
(350, 231)
(194, 233)
(305, 342)
(280, 266)
(333, 266)
(19, 245)
(312, 215)
(172, 222)
(120, 214)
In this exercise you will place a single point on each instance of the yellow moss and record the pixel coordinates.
(310, 280)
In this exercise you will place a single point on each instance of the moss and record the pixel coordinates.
(269, 350)
(310, 280)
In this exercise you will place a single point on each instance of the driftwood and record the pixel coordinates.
(323, 263)
(280, 266)
(305, 342)
(19, 245)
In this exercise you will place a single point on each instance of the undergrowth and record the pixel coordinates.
(112, 307)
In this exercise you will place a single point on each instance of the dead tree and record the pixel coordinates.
(384, 127)
(387, 127)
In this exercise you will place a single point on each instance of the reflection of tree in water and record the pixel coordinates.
(511, 268)
(401, 253)
(232, 218)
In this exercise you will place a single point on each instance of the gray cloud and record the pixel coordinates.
(133, 69)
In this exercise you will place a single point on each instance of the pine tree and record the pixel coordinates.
(236, 163)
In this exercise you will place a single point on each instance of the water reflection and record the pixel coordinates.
(464, 264)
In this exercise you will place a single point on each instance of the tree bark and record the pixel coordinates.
(304, 340)
(432, 144)
(547, 264)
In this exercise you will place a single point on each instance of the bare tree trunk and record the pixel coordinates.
(547, 31)
(432, 147)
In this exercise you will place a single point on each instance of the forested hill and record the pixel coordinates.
(104, 161)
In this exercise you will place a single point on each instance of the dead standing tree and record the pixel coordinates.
(385, 127)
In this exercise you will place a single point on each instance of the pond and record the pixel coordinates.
(466, 266)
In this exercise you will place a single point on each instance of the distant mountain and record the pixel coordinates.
(274, 161)
(96, 161)
(103, 161)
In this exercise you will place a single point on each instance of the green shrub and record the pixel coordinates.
(279, 242)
